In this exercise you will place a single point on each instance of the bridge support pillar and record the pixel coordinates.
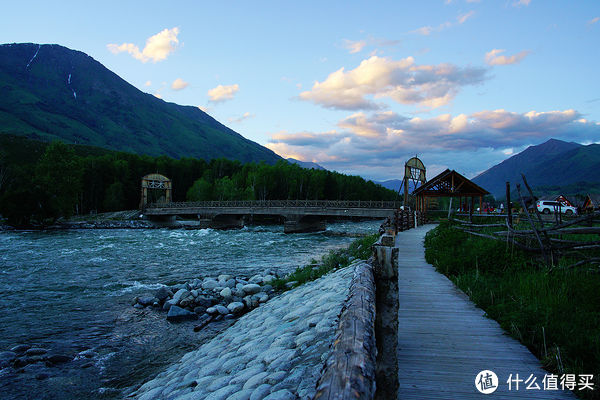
(166, 221)
(298, 224)
(223, 221)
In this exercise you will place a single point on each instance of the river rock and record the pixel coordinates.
(168, 305)
(202, 322)
(260, 392)
(200, 310)
(146, 300)
(230, 283)
(256, 279)
(267, 288)
(21, 348)
(291, 284)
(282, 394)
(204, 301)
(212, 310)
(194, 293)
(59, 358)
(222, 309)
(268, 278)
(251, 288)
(209, 284)
(36, 351)
(138, 306)
(8, 356)
(181, 294)
(177, 314)
(235, 307)
(262, 297)
(226, 293)
(224, 278)
(162, 293)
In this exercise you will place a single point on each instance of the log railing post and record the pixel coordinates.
(386, 320)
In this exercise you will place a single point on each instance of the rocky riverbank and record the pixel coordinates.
(210, 299)
(275, 351)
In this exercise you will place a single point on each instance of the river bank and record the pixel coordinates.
(71, 291)
(274, 352)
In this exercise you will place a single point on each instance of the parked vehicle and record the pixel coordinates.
(548, 207)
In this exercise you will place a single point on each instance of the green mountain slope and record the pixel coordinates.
(551, 164)
(51, 92)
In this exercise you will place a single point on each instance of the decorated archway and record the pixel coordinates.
(156, 188)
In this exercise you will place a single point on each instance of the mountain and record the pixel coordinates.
(51, 92)
(305, 164)
(553, 163)
(392, 184)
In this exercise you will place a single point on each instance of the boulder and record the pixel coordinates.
(162, 294)
(230, 283)
(59, 358)
(224, 278)
(177, 314)
(146, 300)
(251, 288)
(262, 297)
(268, 278)
(209, 284)
(235, 307)
(212, 310)
(256, 279)
(168, 305)
(194, 293)
(226, 293)
(21, 348)
(181, 294)
(204, 301)
(222, 309)
(36, 351)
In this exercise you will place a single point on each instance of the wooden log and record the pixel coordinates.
(349, 372)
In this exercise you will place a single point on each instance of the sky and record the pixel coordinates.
(358, 87)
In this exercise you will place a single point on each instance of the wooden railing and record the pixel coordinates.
(378, 204)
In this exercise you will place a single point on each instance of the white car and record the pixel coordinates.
(547, 207)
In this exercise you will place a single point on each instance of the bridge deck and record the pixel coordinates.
(445, 340)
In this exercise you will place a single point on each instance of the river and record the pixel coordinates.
(70, 291)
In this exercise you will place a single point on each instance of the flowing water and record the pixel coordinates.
(70, 291)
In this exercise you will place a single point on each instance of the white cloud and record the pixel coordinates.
(148, 83)
(493, 57)
(593, 21)
(520, 3)
(403, 81)
(369, 142)
(158, 47)
(179, 84)
(223, 93)
(461, 19)
(354, 46)
(241, 118)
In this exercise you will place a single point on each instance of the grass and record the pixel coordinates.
(334, 260)
(556, 313)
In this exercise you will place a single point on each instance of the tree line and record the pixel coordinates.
(64, 180)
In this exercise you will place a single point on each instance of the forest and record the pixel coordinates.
(41, 182)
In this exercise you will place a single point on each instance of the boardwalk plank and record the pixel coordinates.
(445, 340)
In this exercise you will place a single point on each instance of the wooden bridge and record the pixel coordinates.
(299, 215)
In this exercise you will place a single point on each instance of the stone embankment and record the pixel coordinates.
(274, 352)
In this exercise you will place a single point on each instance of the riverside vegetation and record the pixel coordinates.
(555, 311)
(41, 182)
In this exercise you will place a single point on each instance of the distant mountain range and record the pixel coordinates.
(305, 164)
(553, 164)
(51, 92)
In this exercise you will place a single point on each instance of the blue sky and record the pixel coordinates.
(358, 87)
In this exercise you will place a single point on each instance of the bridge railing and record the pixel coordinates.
(283, 203)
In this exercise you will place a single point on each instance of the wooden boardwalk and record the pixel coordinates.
(445, 340)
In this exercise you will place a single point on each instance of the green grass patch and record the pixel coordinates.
(554, 312)
(334, 260)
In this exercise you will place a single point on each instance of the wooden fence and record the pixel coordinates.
(551, 238)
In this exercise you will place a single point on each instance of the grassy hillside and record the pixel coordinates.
(67, 95)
